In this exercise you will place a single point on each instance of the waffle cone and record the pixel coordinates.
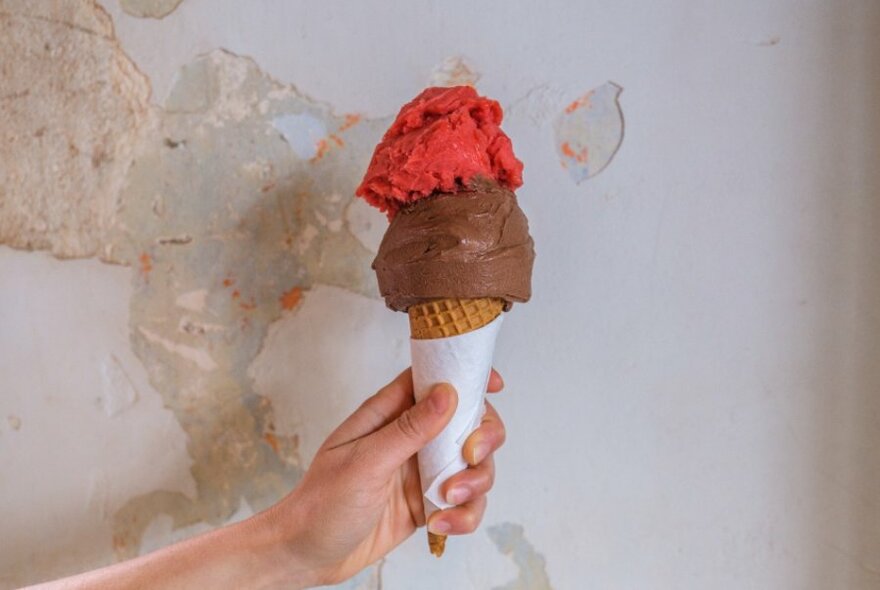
(437, 544)
(443, 318)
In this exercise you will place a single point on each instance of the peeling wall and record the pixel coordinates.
(224, 242)
(589, 132)
(690, 389)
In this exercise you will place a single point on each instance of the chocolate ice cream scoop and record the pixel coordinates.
(470, 244)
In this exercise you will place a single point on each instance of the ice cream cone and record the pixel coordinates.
(443, 318)
(455, 227)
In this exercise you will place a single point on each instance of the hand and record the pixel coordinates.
(361, 496)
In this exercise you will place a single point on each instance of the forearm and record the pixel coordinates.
(247, 555)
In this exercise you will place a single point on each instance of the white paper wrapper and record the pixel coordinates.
(464, 361)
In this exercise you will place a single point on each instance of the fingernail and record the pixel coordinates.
(439, 527)
(439, 399)
(479, 453)
(458, 495)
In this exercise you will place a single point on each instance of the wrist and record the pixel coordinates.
(279, 554)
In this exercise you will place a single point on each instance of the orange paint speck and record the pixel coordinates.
(267, 187)
(568, 152)
(272, 441)
(146, 263)
(351, 120)
(291, 298)
(248, 306)
(236, 294)
(321, 150)
(337, 140)
(227, 282)
(583, 101)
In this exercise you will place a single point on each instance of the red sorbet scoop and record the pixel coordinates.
(439, 142)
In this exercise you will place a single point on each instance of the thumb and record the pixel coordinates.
(396, 442)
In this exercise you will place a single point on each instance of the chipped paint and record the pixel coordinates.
(290, 299)
(200, 358)
(454, 71)
(71, 109)
(192, 300)
(589, 132)
(259, 219)
(146, 263)
(303, 131)
(350, 121)
(366, 223)
(510, 540)
(118, 393)
(149, 8)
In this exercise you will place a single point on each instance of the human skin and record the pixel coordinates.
(359, 499)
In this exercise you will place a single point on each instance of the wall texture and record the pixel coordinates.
(694, 391)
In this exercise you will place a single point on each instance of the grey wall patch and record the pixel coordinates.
(510, 540)
(261, 225)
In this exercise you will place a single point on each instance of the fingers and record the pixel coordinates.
(471, 483)
(460, 520)
(384, 407)
(396, 442)
(496, 383)
(377, 411)
(467, 489)
(486, 439)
